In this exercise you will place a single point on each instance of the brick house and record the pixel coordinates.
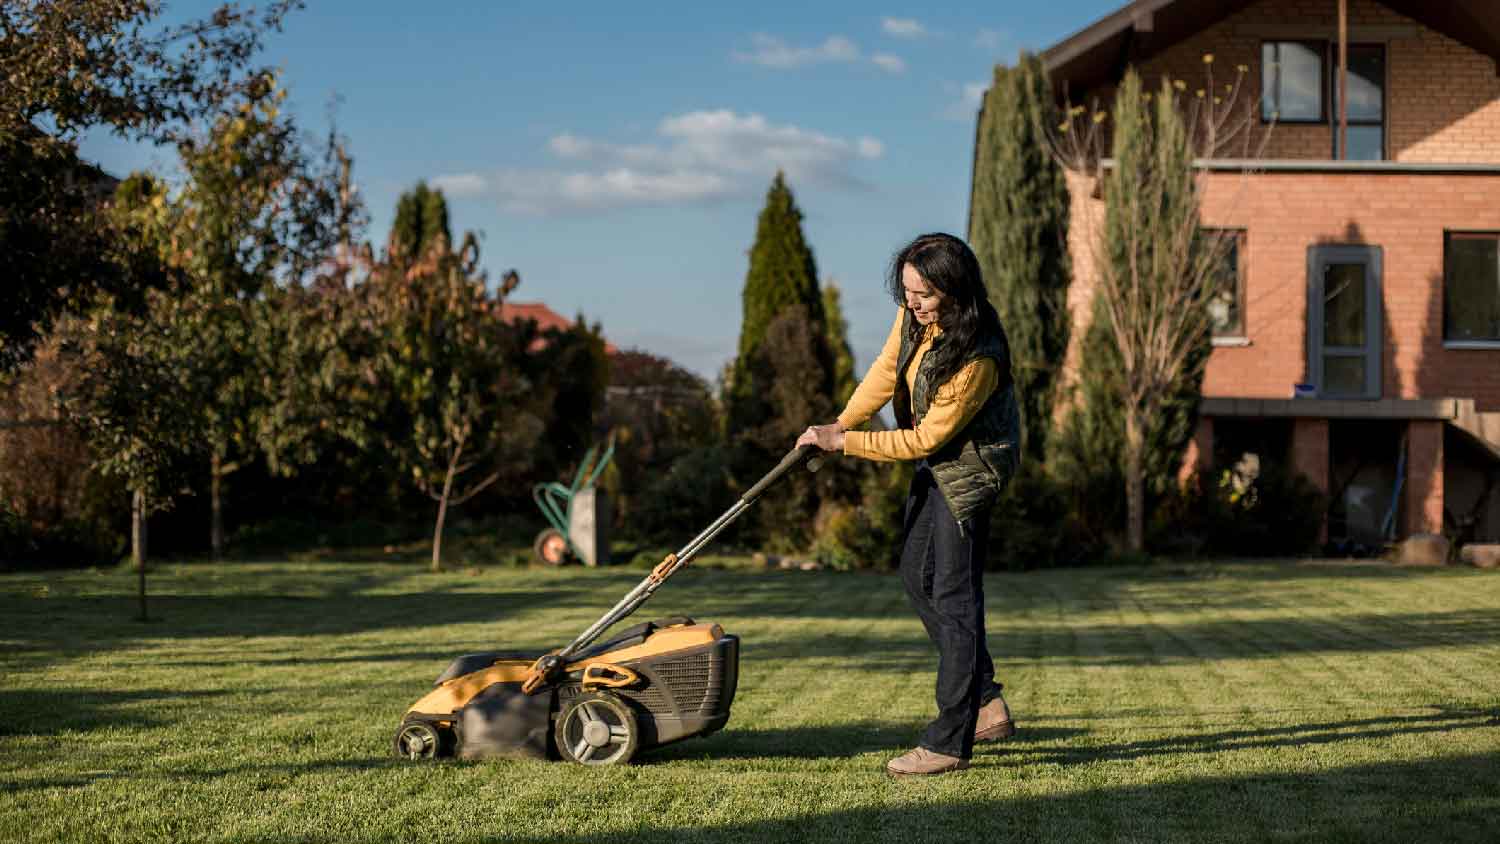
(545, 319)
(1370, 278)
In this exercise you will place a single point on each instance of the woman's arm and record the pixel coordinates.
(953, 406)
(879, 383)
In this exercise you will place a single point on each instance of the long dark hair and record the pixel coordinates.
(950, 267)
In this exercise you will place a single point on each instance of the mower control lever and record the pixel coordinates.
(542, 673)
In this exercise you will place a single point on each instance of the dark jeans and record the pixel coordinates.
(942, 565)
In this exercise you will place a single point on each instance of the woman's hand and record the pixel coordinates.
(826, 437)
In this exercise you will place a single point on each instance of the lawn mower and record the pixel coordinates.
(650, 685)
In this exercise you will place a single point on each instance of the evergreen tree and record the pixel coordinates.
(421, 217)
(782, 274)
(1141, 368)
(782, 381)
(1018, 228)
(837, 332)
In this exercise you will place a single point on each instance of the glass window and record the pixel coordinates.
(1366, 82)
(1471, 287)
(1344, 305)
(1225, 305)
(1292, 81)
(1343, 375)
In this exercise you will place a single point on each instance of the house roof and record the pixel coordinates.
(1097, 54)
(544, 317)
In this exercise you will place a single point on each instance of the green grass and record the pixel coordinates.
(1239, 702)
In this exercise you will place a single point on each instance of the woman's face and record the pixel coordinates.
(922, 299)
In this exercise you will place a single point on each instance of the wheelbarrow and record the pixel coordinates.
(557, 544)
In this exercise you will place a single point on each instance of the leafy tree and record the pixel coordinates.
(665, 421)
(455, 405)
(135, 405)
(70, 65)
(1018, 227)
(60, 506)
(255, 213)
(1156, 269)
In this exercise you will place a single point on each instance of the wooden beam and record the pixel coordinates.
(1299, 32)
(1343, 147)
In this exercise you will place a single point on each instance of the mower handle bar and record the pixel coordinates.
(659, 575)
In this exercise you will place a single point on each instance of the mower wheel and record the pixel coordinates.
(421, 740)
(597, 728)
(550, 547)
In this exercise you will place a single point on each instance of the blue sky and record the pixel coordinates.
(617, 154)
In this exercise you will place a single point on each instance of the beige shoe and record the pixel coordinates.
(994, 721)
(923, 763)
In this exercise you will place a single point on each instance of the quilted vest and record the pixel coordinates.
(976, 463)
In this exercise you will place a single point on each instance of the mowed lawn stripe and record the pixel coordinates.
(1171, 703)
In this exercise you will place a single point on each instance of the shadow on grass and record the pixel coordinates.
(93, 623)
(1418, 801)
(1034, 745)
(1154, 644)
(1291, 735)
(830, 741)
(55, 711)
(756, 605)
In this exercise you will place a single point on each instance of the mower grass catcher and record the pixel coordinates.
(652, 684)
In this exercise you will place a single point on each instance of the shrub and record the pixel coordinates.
(864, 535)
(71, 543)
(687, 497)
(1037, 524)
(1276, 513)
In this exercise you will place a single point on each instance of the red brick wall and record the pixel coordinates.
(1310, 457)
(1424, 477)
(1285, 213)
(1442, 98)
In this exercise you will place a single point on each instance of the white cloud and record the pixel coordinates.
(461, 184)
(970, 95)
(903, 27)
(989, 39)
(697, 156)
(770, 51)
(890, 63)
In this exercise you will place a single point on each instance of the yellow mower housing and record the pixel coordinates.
(653, 684)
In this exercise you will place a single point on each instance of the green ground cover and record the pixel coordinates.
(1234, 702)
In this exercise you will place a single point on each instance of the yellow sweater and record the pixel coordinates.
(953, 405)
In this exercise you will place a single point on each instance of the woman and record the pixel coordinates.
(946, 365)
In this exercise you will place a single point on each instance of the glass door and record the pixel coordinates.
(1344, 328)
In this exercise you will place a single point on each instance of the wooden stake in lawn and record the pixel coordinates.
(1155, 267)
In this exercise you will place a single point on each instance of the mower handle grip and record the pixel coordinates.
(790, 461)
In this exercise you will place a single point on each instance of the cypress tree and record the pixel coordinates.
(782, 274)
(1018, 228)
(837, 332)
(421, 216)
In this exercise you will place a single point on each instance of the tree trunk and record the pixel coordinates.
(138, 545)
(443, 513)
(443, 505)
(216, 527)
(1135, 491)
